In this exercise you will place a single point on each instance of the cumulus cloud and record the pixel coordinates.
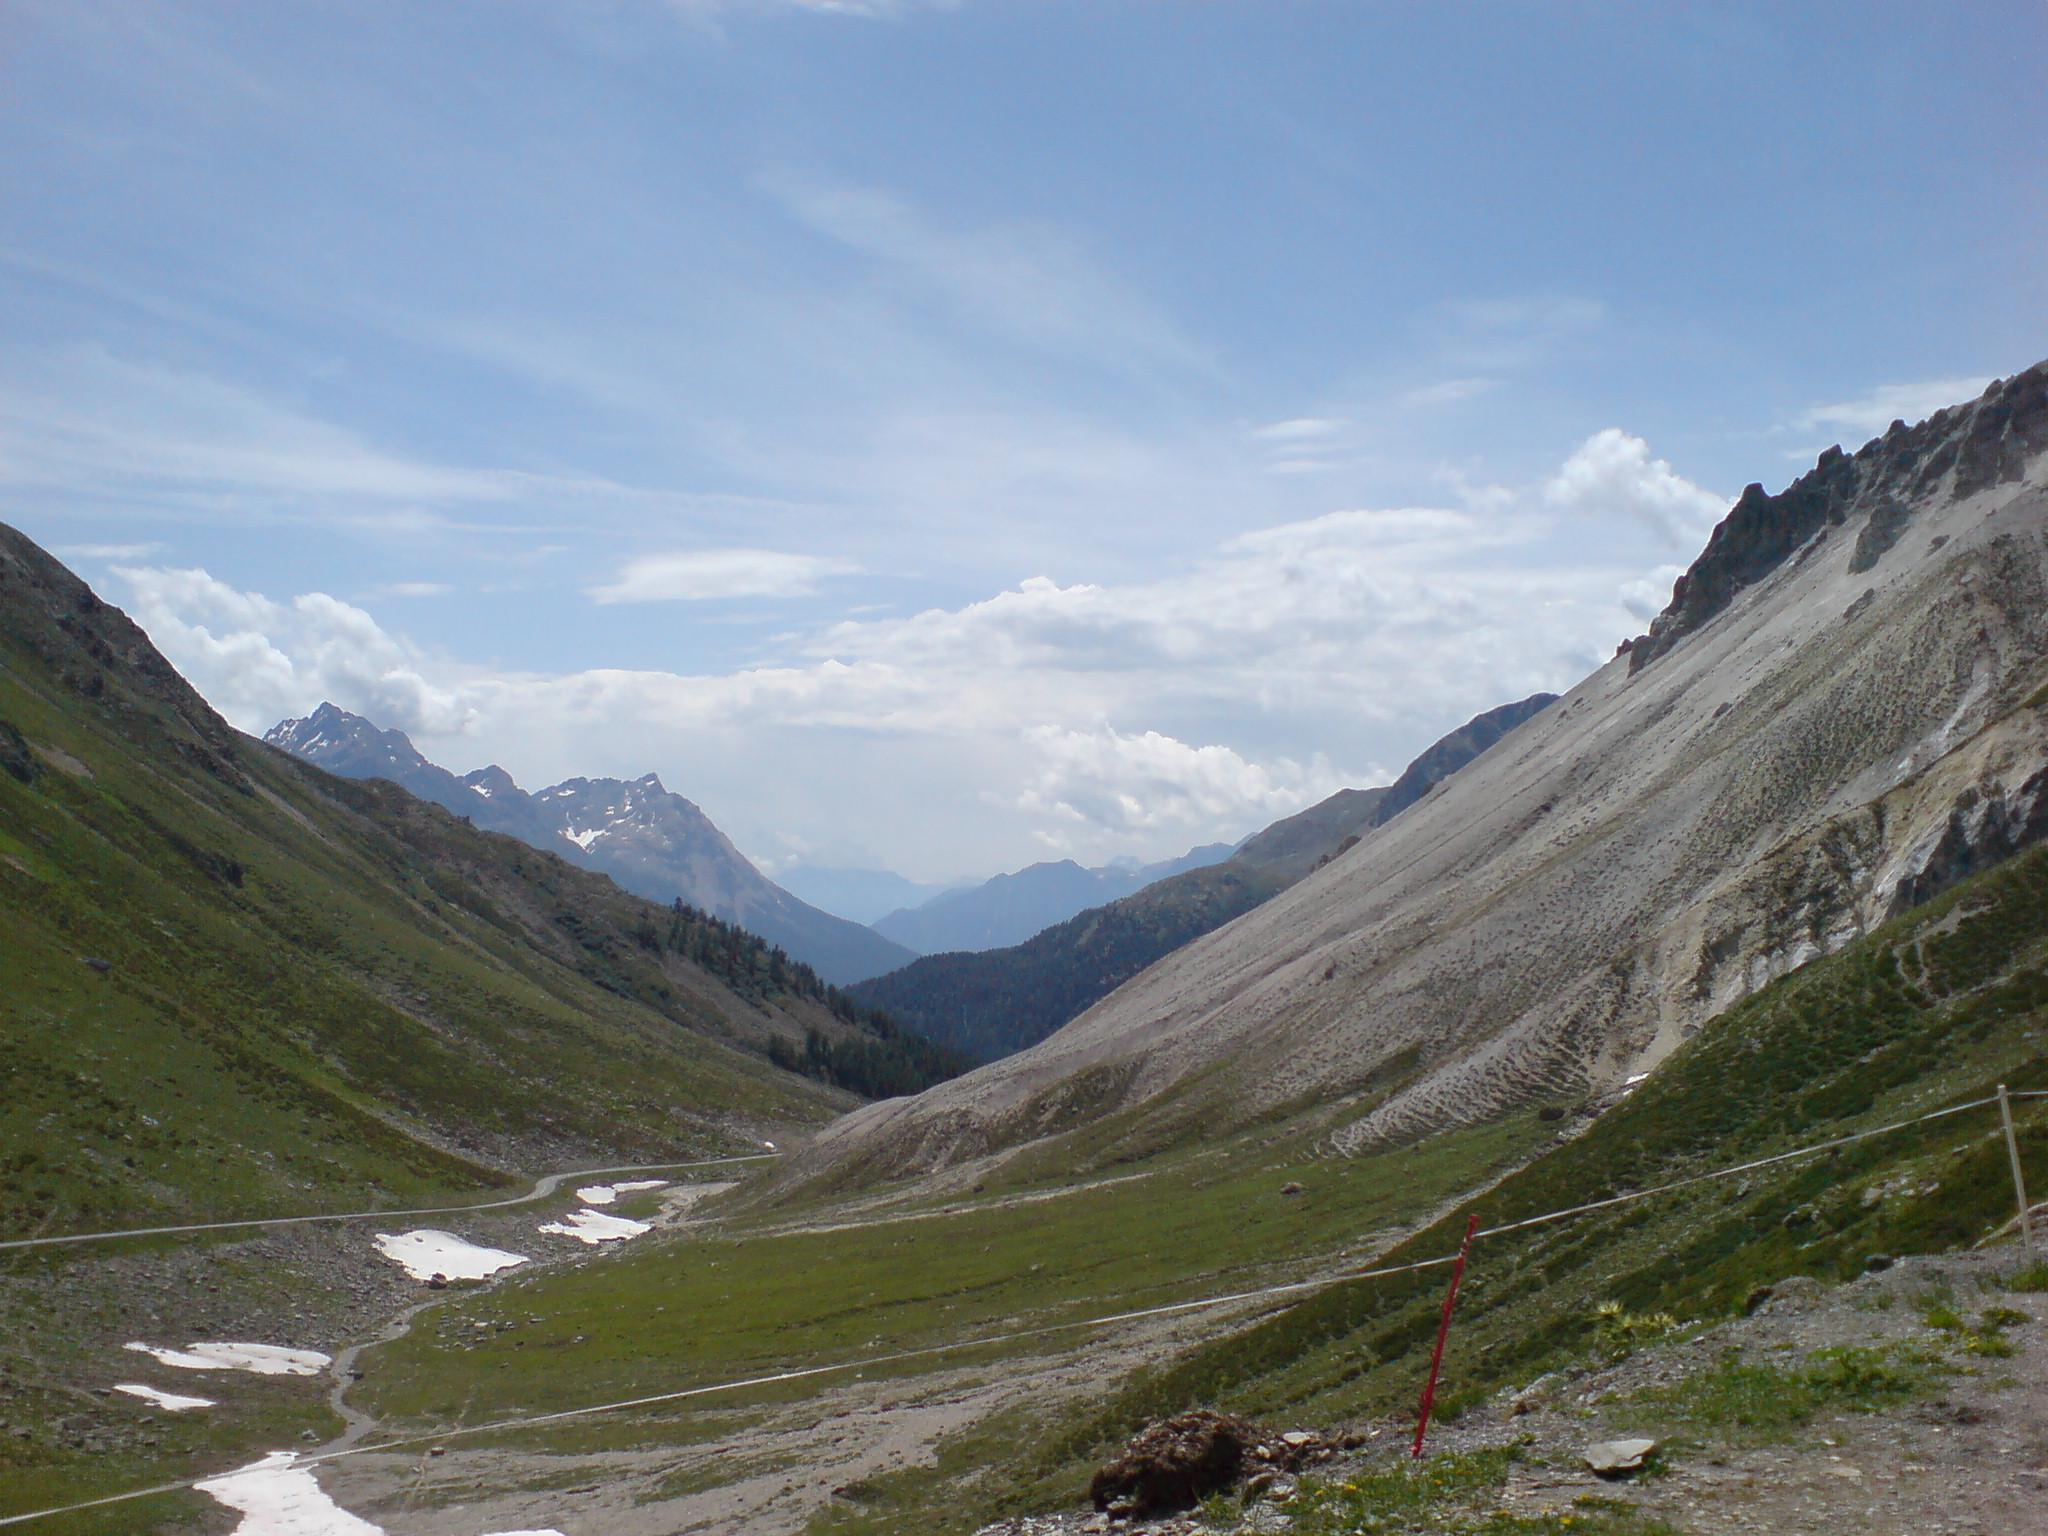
(705, 574)
(1870, 414)
(1146, 782)
(1096, 718)
(1613, 474)
(257, 661)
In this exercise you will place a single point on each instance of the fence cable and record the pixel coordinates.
(1294, 1287)
(540, 1191)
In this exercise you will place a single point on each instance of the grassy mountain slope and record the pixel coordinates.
(1932, 1010)
(1927, 1012)
(233, 984)
(995, 1002)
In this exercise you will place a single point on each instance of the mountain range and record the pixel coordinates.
(653, 842)
(1009, 909)
(1000, 1001)
(234, 983)
(1841, 712)
(1765, 896)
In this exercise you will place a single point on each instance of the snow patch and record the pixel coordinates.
(596, 1227)
(170, 1402)
(278, 1498)
(261, 1359)
(605, 1194)
(427, 1253)
(583, 840)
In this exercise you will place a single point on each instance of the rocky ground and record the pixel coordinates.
(1953, 1439)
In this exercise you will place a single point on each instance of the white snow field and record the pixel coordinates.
(170, 1402)
(427, 1253)
(277, 1497)
(262, 1359)
(596, 1227)
(605, 1194)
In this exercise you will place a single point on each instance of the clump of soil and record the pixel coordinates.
(1174, 1464)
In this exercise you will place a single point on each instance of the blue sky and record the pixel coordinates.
(936, 437)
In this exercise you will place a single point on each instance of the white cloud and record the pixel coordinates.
(257, 661)
(1028, 281)
(1613, 474)
(706, 574)
(93, 424)
(1151, 781)
(1450, 392)
(1869, 415)
(1648, 596)
(417, 589)
(1097, 718)
(1302, 427)
(104, 551)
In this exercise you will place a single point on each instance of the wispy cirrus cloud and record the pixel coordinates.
(1027, 281)
(1870, 414)
(705, 575)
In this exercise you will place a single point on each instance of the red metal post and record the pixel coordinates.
(1443, 1332)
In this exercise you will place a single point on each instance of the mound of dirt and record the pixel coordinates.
(1175, 1463)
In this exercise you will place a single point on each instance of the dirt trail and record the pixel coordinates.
(765, 1478)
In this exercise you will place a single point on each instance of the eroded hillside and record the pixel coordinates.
(1838, 715)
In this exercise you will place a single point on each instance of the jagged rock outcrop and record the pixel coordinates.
(1841, 712)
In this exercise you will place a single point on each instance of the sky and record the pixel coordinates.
(938, 437)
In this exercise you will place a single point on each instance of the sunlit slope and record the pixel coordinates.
(1932, 1010)
(231, 983)
(1928, 1012)
(1830, 724)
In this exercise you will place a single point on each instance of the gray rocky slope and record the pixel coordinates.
(1841, 712)
(650, 840)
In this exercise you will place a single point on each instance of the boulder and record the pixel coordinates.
(1618, 1458)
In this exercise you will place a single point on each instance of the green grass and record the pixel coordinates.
(310, 994)
(750, 1298)
(1899, 1024)
(1754, 1402)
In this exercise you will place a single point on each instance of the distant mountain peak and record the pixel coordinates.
(653, 842)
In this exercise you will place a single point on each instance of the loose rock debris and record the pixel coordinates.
(1173, 1464)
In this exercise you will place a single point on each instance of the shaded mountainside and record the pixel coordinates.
(997, 1002)
(1857, 722)
(1009, 909)
(233, 983)
(653, 842)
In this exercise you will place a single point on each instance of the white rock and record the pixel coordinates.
(1618, 1455)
